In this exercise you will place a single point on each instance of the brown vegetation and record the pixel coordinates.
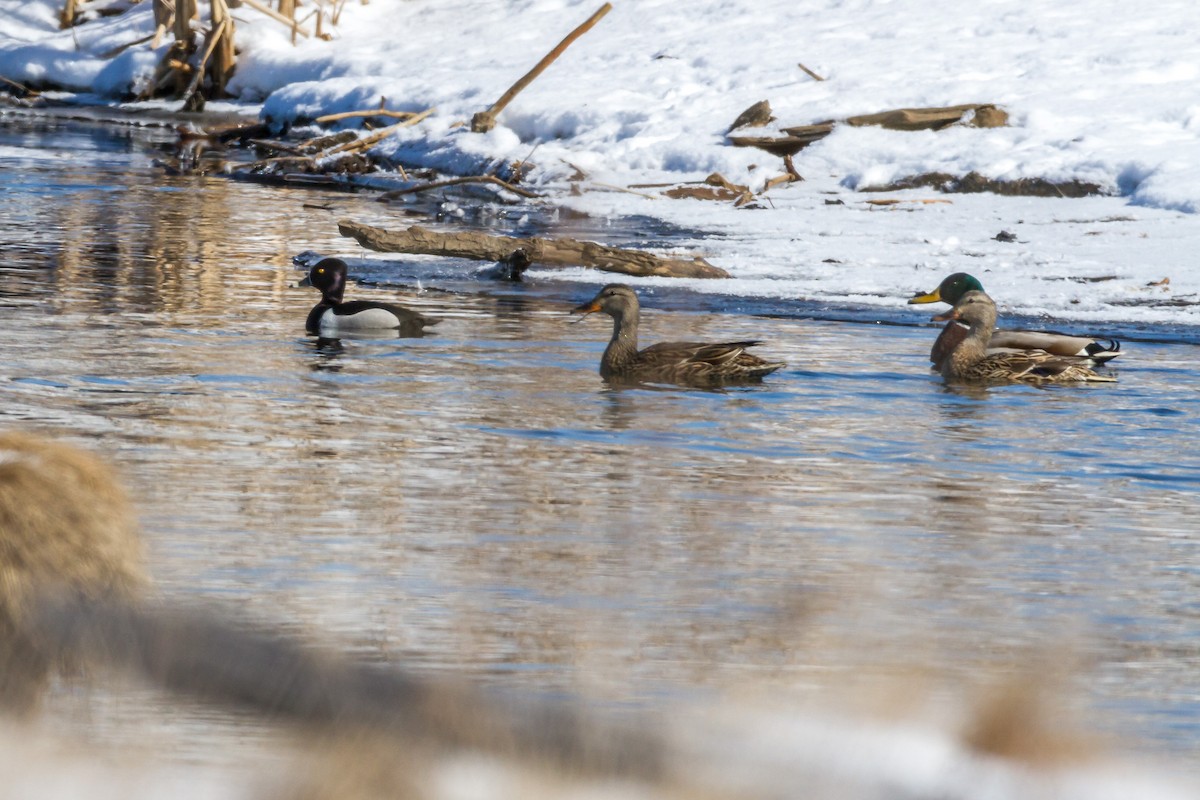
(65, 525)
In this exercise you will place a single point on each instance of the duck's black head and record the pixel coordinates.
(328, 275)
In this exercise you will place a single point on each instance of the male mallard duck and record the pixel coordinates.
(952, 289)
(970, 360)
(669, 362)
(331, 316)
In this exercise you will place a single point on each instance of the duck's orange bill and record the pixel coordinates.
(946, 317)
(586, 308)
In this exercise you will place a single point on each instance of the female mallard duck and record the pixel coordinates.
(669, 362)
(952, 289)
(971, 361)
(331, 316)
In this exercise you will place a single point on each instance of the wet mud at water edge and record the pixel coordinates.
(479, 501)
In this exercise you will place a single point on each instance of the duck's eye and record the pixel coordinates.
(321, 271)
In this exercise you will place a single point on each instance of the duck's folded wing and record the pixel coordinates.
(722, 353)
(1058, 344)
(1040, 366)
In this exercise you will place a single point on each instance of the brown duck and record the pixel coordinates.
(692, 363)
(970, 360)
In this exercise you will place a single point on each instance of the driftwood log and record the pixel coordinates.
(543, 251)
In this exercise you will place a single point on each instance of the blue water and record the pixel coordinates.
(479, 500)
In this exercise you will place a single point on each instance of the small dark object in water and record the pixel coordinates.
(307, 259)
(1005, 236)
(511, 268)
(517, 262)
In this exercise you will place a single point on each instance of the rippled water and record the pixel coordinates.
(479, 499)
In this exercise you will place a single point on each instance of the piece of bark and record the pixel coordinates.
(484, 121)
(921, 119)
(796, 139)
(715, 187)
(799, 137)
(755, 116)
(546, 252)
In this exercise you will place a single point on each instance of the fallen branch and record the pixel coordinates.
(278, 147)
(374, 112)
(21, 88)
(424, 187)
(367, 142)
(484, 121)
(543, 251)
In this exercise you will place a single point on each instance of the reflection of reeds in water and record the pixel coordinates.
(181, 247)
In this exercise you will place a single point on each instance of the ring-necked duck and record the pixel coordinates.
(331, 315)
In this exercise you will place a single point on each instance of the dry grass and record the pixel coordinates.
(65, 524)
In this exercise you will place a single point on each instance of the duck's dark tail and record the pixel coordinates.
(1103, 350)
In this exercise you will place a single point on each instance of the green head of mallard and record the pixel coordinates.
(950, 290)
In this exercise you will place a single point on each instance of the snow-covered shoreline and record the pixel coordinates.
(1096, 92)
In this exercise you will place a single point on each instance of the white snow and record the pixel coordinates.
(1100, 91)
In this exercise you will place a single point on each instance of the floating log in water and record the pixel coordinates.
(546, 252)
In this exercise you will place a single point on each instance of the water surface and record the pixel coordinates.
(479, 500)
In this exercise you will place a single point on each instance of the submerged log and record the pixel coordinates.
(546, 252)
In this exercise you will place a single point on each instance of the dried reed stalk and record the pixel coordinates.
(484, 121)
(367, 142)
